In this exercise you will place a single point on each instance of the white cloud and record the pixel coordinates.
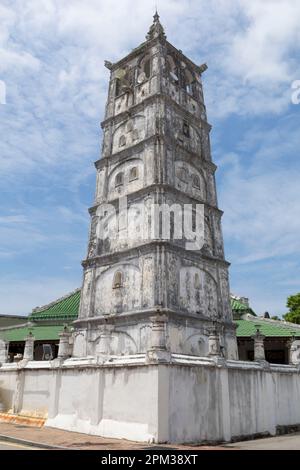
(261, 51)
(249, 46)
(51, 59)
(253, 68)
(12, 56)
(260, 193)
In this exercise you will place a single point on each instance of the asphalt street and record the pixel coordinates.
(287, 442)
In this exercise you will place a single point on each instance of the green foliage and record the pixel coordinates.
(293, 303)
(293, 317)
(275, 317)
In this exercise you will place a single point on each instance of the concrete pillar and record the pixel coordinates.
(3, 352)
(3, 360)
(158, 351)
(64, 348)
(214, 349)
(103, 346)
(259, 348)
(295, 352)
(54, 391)
(158, 333)
(163, 398)
(18, 391)
(224, 397)
(29, 347)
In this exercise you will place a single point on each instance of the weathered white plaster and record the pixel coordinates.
(155, 123)
(188, 399)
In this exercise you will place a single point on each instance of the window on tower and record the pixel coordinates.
(188, 81)
(196, 181)
(133, 174)
(147, 68)
(173, 70)
(197, 281)
(144, 70)
(118, 87)
(119, 180)
(189, 88)
(124, 81)
(186, 129)
(118, 280)
(122, 141)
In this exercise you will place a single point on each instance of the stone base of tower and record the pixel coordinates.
(141, 331)
(182, 399)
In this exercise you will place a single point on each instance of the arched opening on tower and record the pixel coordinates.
(119, 180)
(118, 280)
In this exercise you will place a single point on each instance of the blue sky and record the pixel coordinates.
(51, 61)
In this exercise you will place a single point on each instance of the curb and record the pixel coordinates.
(16, 440)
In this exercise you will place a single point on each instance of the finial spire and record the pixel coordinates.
(156, 29)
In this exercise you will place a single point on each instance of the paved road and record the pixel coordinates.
(287, 442)
(13, 446)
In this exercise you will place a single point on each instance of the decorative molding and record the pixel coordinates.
(164, 97)
(136, 195)
(148, 247)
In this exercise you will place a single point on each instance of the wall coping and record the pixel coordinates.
(141, 360)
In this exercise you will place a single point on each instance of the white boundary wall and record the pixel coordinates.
(187, 400)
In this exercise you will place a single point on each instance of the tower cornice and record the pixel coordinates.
(162, 186)
(147, 247)
(133, 149)
(185, 113)
(131, 317)
(136, 52)
(200, 69)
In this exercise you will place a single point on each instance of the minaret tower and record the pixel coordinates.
(144, 292)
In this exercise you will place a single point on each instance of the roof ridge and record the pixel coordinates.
(14, 327)
(51, 304)
(277, 322)
(288, 323)
(3, 315)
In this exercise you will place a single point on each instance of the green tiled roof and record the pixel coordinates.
(39, 332)
(64, 308)
(239, 309)
(246, 328)
(238, 306)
